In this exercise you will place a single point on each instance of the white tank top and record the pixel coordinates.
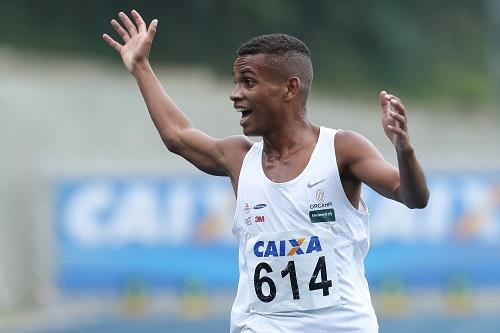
(301, 250)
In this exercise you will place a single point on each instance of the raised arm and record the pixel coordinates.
(217, 157)
(406, 183)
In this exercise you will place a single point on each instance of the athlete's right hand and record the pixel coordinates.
(137, 39)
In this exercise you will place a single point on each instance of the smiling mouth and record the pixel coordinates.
(245, 112)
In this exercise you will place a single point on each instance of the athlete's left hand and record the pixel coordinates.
(394, 121)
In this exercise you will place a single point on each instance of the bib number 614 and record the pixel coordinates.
(289, 270)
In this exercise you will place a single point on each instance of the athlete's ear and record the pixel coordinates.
(292, 88)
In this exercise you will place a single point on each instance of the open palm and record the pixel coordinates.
(136, 37)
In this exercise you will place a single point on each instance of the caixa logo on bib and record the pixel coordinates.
(284, 247)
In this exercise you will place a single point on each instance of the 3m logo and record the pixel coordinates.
(260, 219)
(283, 248)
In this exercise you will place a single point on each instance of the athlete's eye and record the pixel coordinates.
(249, 82)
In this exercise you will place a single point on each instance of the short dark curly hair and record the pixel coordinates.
(288, 52)
(276, 44)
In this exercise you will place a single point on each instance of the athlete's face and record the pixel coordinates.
(257, 94)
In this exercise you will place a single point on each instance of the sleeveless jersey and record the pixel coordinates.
(301, 250)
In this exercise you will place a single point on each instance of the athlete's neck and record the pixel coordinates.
(290, 139)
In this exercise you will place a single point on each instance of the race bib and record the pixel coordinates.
(292, 270)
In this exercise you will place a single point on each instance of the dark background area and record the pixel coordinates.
(433, 51)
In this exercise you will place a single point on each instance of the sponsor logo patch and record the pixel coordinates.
(320, 195)
(260, 219)
(283, 248)
(259, 206)
(309, 185)
(247, 208)
(322, 215)
(320, 205)
(320, 200)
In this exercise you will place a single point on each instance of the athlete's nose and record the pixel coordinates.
(235, 94)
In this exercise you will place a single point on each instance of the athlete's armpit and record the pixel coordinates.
(220, 157)
(366, 163)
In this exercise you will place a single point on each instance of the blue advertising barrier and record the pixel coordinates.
(164, 232)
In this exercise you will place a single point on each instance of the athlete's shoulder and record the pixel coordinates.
(350, 145)
(349, 137)
(236, 144)
(234, 148)
(344, 136)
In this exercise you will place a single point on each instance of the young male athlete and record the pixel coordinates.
(301, 224)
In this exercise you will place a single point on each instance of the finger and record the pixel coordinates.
(128, 24)
(139, 21)
(398, 106)
(384, 102)
(396, 130)
(390, 96)
(400, 120)
(111, 42)
(152, 30)
(122, 32)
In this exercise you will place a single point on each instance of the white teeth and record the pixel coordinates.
(242, 109)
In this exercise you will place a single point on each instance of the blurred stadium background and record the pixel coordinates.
(101, 230)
